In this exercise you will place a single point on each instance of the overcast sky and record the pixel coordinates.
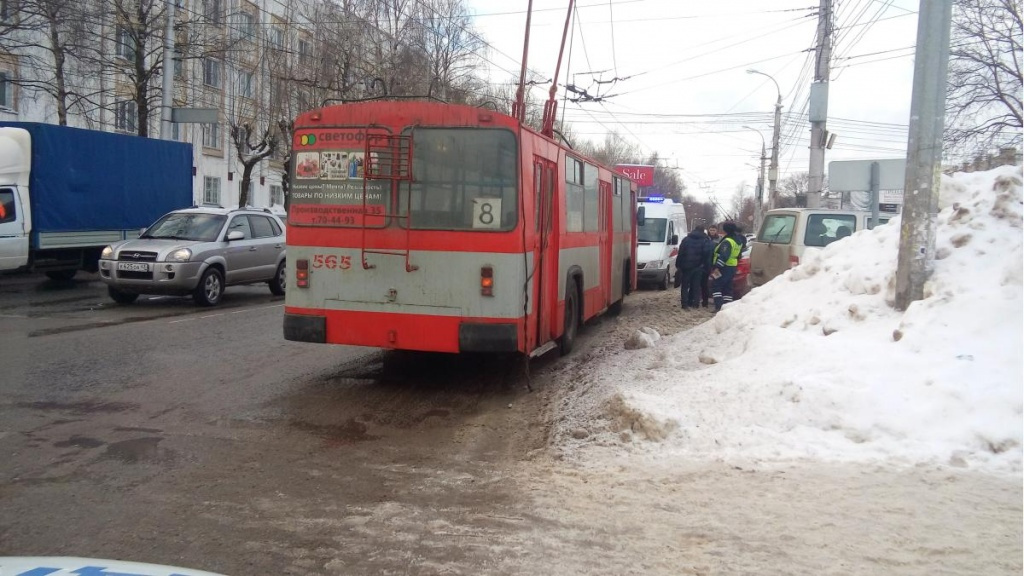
(683, 89)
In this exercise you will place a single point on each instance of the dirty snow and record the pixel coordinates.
(819, 365)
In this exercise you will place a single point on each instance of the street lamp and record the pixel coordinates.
(773, 172)
(759, 199)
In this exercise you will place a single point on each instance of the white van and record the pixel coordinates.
(661, 224)
(789, 233)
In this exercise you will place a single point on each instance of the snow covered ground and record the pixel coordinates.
(819, 365)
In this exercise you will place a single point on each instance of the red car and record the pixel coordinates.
(740, 285)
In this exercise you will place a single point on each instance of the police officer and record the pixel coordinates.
(727, 255)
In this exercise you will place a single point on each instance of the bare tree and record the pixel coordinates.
(698, 213)
(392, 29)
(256, 98)
(793, 190)
(983, 98)
(451, 48)
(45, 36)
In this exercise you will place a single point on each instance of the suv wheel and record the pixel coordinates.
(120, 296)
(280, 281)
(210, 288)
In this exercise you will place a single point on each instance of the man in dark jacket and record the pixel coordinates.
(692, 262)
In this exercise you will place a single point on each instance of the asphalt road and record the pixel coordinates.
(161, 432)
(165, 433)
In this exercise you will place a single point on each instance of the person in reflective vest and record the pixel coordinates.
(727, 255)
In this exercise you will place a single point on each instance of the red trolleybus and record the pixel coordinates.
(435, 227)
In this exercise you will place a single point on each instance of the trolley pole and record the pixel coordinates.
(924, 152)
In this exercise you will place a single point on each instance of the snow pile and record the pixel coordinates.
(818, 363)
(642, 338)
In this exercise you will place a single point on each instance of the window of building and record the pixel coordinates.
(179, 63)
(245, 26)
(211, 190)
(177, 132)
(245, 84)
(211, 72)
(213, 10)
(126, 115)
(305, 53)
(277, 36)
(6, 90)
(276, 195)
(125, 45)
(211, 136)
(6, 10)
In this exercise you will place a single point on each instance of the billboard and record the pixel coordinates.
(641, 174)
(855, 175)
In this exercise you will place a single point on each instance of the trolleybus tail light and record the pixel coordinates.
(487, 281)
(302, 273)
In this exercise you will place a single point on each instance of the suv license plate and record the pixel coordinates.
(133, 266)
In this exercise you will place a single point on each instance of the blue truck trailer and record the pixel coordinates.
(65, 193)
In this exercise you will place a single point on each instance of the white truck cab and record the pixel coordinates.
(661, 225)
(15, 217)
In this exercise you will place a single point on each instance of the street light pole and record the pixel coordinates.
(773, 172)
(759, 204)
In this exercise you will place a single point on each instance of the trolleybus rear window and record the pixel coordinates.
(463, 179)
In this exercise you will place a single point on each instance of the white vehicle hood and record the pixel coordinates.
(651, 252)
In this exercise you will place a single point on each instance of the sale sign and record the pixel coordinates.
(639, 173)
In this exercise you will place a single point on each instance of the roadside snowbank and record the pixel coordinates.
(818, 364)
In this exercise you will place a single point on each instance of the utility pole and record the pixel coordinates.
(759, 199)
(759, 205)
(773, 173)
(818, 110)
(167, 99)
(924, 152)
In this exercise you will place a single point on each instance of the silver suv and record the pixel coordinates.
(197, 251)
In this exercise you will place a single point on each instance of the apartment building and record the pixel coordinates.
(240, 57)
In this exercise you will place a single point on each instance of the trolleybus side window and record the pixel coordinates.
(463, 179)
(573, 195)
(538, 182)
(617, 203)
(591, 200)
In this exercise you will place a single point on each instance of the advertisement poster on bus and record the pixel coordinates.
(642, 174)
(328, 185)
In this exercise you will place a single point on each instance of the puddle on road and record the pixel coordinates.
(79, 408)
(345, 434)
(77, 441)
(137, 429)
(137, 450)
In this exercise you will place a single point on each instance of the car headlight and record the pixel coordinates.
(179, 255)
(107, 254)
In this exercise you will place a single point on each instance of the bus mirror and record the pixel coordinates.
(674, 240)
(640, 216)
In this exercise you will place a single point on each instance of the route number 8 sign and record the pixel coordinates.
(487, 213)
